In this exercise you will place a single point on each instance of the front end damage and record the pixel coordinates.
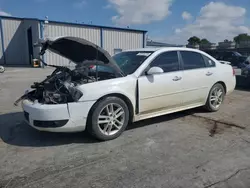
(69, 117)
(61, 86)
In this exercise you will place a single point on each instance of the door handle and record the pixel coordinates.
(177, 78)
(209, 73)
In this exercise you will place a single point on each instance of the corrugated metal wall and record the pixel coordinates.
(55, 30)
(114, 39)
(16, 45)
(14, 42)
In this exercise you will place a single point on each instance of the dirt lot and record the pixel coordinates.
(188, 149)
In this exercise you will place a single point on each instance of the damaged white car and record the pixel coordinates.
(130, 86)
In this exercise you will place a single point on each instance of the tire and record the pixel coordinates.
(100, 130)
(211, 101)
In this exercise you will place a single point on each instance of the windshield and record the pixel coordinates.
(128, 62)
(248, 58)
(237, 54)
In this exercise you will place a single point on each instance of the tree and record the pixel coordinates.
(241, 37)
(194, 40)
(204, 41)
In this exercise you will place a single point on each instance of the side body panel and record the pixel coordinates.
(125, 86)
(158, 92)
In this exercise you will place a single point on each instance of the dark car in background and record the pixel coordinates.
(240, 63)
(235, 58)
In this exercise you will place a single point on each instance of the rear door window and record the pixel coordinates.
(192, 60)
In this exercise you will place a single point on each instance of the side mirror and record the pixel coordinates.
(155, 70)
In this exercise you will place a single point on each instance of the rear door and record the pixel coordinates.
(198, 77)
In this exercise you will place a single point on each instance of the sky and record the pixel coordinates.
(172, 21)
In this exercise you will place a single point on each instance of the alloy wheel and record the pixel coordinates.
(111, 119)
(216, 97)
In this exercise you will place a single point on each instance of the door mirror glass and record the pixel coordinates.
(155, 70)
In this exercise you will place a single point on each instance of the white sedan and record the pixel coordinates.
(130, 86)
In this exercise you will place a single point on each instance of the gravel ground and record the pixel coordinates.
(187, 149)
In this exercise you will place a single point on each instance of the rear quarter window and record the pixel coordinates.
(209, 62)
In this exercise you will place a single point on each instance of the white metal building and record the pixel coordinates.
(154, 44)
(17, 36)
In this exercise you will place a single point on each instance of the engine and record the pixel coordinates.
(61, 86)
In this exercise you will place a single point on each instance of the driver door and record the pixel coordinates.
(161, 91)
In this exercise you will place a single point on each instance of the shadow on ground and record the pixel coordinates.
(242, 83)
(243, 88)
(14, 131)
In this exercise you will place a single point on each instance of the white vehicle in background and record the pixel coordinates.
(140, 84)
(2, 69)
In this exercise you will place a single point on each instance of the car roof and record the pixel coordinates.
(142, 50)
(164, 49)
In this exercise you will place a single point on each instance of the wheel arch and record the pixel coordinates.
(207, 105)
(219, 82)
(118, 95)
(223, 84)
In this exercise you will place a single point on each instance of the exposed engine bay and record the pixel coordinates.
(61, 86)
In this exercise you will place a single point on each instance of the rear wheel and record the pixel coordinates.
(108, 118)
(215, 98)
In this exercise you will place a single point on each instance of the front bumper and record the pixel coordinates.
(71, 117)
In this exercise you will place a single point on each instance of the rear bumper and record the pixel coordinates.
(231, 86)
(71, 117)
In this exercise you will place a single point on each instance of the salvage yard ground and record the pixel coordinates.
(187, 149)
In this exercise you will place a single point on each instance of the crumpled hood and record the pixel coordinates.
(79, 51)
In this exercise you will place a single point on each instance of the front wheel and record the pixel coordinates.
(108, 118)
(215, 98)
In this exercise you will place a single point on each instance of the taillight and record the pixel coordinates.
(233, 71)
(91, 66)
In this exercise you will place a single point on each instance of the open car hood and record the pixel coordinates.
(79, 51)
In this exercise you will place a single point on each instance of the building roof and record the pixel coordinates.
(161, 44)
(75, 24)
